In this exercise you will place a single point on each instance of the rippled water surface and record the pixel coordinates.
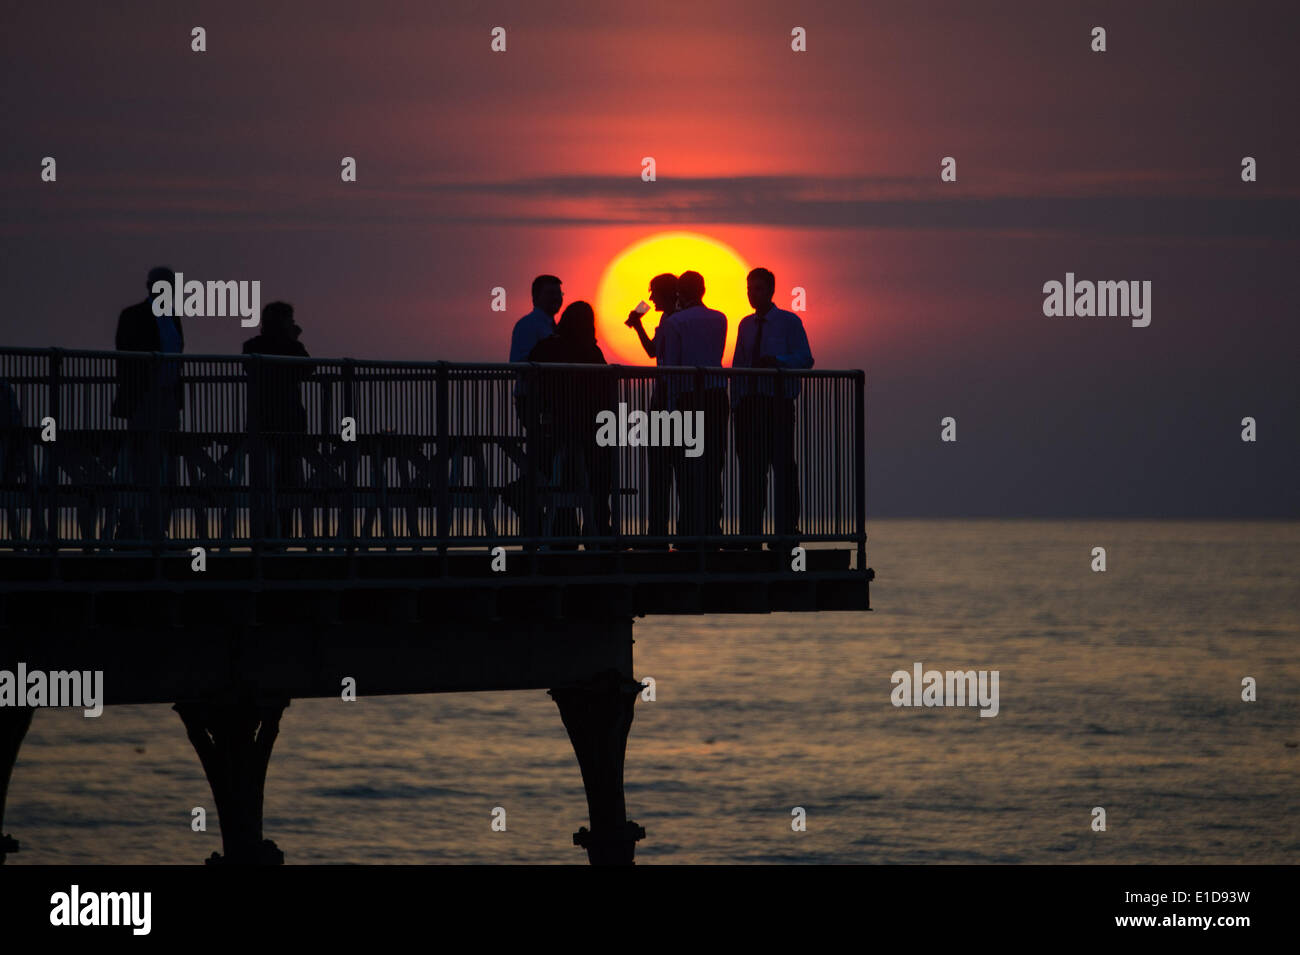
(1119, 689)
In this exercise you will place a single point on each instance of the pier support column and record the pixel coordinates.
(14, 722)
(597, 716)
(234, 743)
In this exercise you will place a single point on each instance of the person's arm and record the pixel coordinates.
(647, 342)
(520, 345)
(799, 354)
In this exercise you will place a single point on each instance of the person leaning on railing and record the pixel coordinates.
(764, 418)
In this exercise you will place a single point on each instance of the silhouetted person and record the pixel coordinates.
(696, 335)
(661, 462)
(569, 404)
(16, 471)
(537, 325)
(764, 416)
(276, 412)
(663, 295)
(149, 395)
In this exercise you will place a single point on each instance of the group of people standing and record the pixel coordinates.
(560, 416)
(149, 397)
(760, 409)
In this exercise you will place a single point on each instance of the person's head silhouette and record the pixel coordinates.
(690, 289)
(547, 294)
(578, 323)
(159, 273)
(663, 292)
(761, 286)
(277, 321)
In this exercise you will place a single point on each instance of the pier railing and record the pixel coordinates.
(112, 452)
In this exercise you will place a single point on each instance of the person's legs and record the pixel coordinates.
(169, 483)
(161, 462)
(288, 480)
(538, 455)
(785, 467)
(717, 411)
(659, 482)
(127, 500)
(565, 478)
(142, 459)
(601, 476)
(691, 476)
(659, 488)
(753, 470)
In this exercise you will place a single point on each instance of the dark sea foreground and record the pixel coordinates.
(1119, 689)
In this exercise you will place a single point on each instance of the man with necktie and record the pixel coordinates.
(764, 412)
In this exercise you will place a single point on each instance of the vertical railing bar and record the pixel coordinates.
(442, 455)
(155, 460)
(860, 489)
(55, 370)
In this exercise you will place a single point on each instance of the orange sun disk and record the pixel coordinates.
(626, 281)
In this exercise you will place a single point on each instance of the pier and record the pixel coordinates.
(285, 525)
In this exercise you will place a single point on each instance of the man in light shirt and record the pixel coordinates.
(694, 336)
(764, 416)
(536, 326)
(540, 322)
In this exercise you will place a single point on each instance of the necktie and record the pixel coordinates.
(758, 346)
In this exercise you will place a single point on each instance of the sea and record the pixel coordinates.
(775, 738)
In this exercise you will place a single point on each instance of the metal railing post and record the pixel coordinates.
(533, 460)
(860, 465)
(701, 470)
(51, 455)
(350, 460)
(256, 466)
(442, 435)
(155, 456)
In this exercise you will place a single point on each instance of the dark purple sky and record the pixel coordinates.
(479, 169)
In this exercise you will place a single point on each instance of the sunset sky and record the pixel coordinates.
(479, 169)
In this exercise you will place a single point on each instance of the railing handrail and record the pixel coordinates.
(392, 453)
(432, 365)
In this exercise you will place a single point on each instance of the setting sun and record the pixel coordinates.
(626, 281)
